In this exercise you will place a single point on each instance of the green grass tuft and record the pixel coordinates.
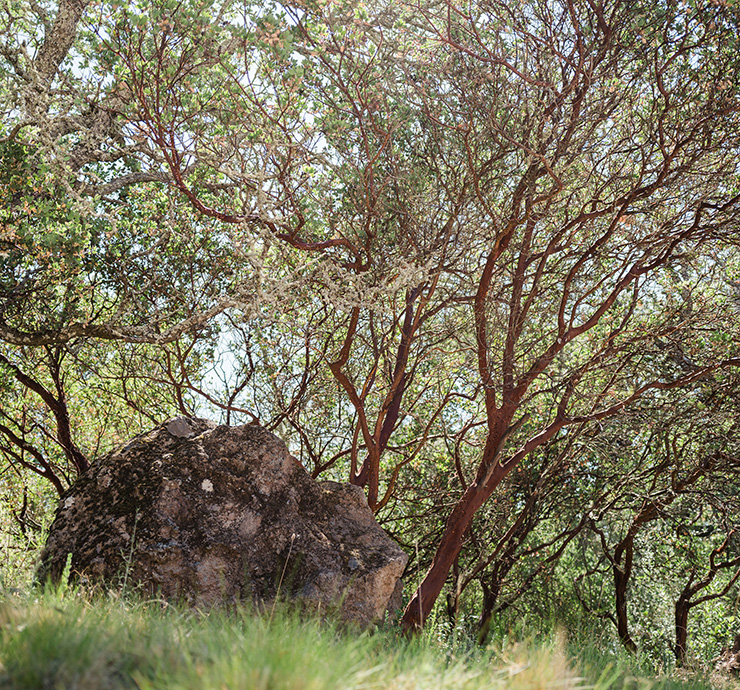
(67, 639)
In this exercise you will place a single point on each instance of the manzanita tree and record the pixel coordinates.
(542, 199)
(596, 149)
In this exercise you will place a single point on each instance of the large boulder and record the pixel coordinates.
(214, 514)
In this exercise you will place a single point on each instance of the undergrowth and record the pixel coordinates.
(66, 638)
(70, 639)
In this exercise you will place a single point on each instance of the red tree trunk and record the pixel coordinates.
(421, 604)
(682, 626)
(621, 580)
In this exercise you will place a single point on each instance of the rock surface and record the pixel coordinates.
(214, 515)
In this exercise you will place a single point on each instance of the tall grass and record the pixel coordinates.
(67, 639)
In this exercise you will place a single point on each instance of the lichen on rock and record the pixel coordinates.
(216, 515)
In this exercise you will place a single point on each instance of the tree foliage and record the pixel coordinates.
(443, 248)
